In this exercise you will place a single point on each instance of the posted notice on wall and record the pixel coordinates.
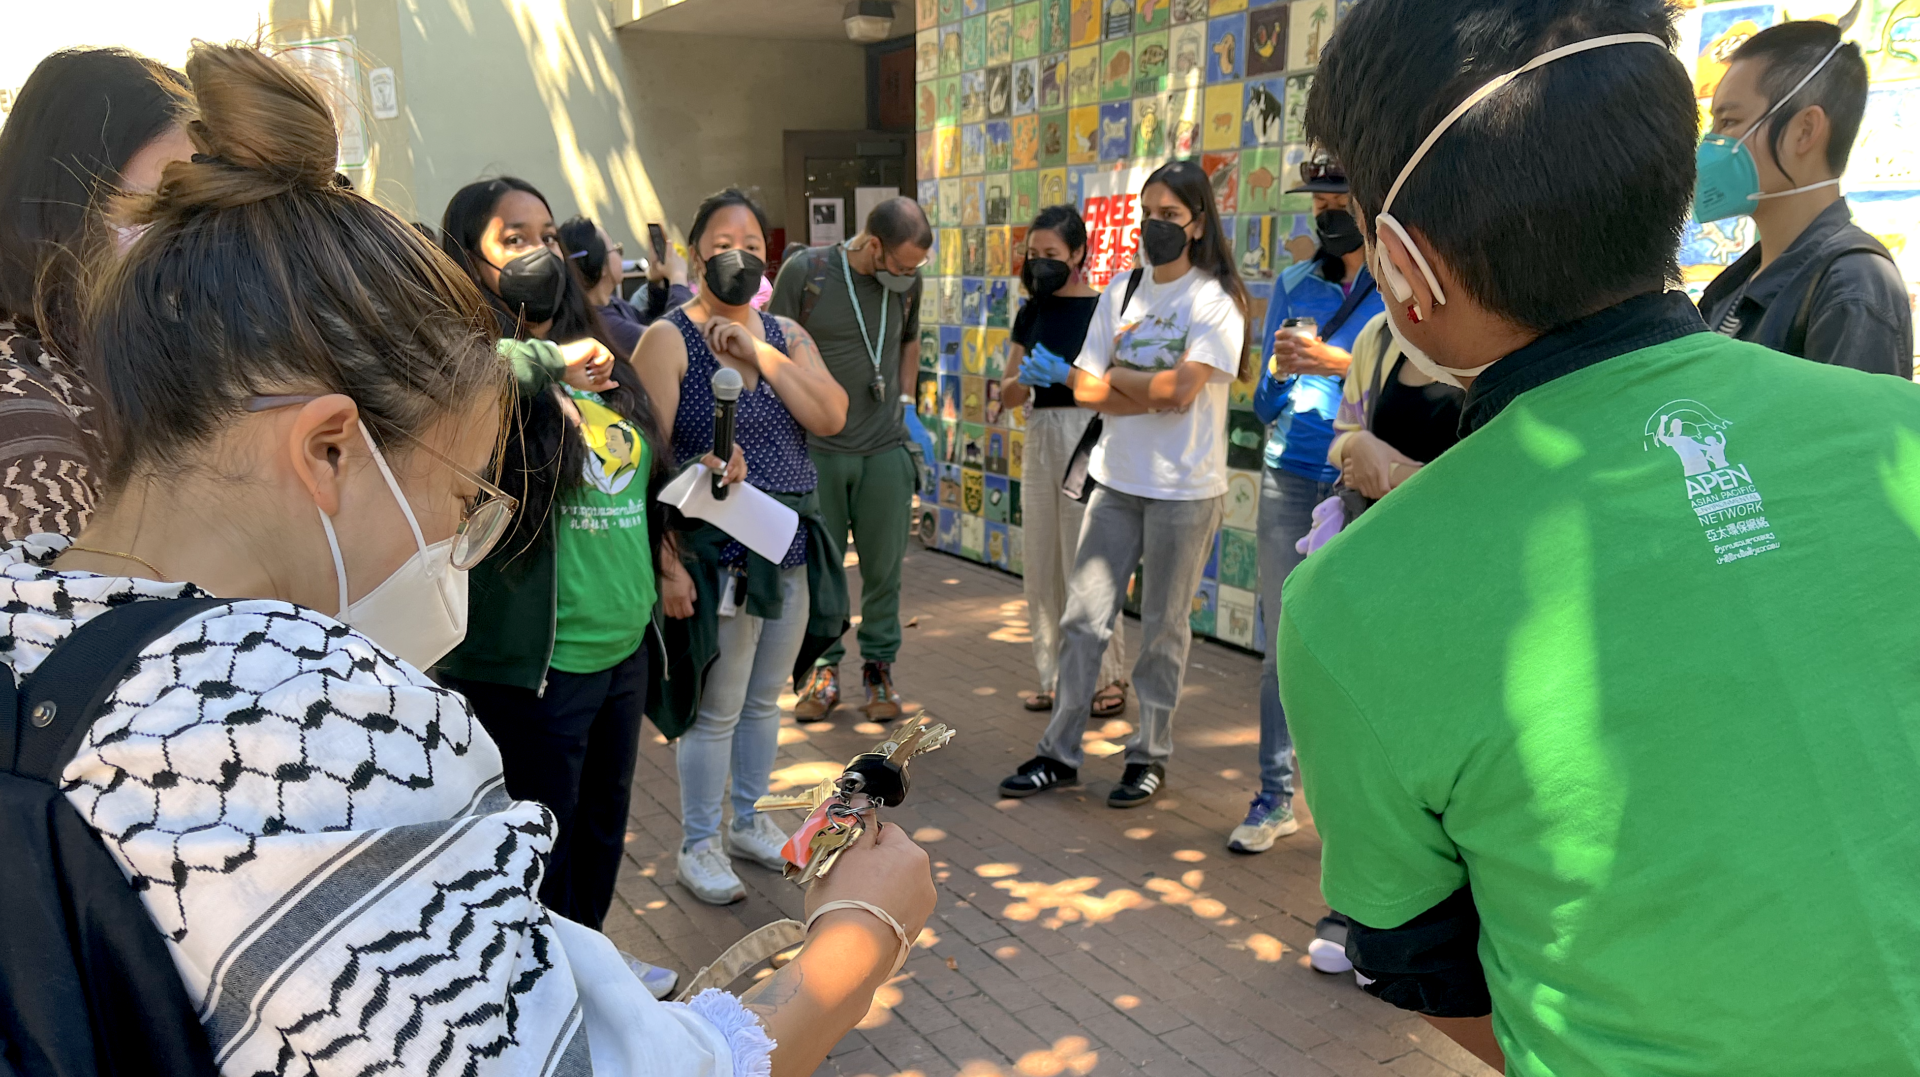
(1110, 204)
(826, 221)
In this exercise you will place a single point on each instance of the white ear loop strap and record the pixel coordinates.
(1385, 218)
(333, 540)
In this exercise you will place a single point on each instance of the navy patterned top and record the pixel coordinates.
(773, 440)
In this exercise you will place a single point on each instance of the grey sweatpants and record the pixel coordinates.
(1171, 541)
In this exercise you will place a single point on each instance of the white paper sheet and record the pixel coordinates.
(760, 523)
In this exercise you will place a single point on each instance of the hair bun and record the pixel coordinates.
(263, 129)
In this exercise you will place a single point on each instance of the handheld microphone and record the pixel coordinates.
(726, 396)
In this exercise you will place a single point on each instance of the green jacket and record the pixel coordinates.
(512, 596)
(674, 700)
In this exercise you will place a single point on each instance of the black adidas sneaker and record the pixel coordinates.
(1139, 783)
(1037, 775)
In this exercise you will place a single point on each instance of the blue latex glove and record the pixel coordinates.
(1042, 368)
(918, 432)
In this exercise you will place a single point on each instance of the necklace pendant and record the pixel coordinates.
(879, 389)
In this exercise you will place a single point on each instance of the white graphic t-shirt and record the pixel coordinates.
(1169, 455)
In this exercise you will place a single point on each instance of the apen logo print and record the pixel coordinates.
(1723, 495)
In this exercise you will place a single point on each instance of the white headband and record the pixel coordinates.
(1403, 291)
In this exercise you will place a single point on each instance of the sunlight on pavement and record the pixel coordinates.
(996, 871)
(930, 833)
(926, 940)
(1126, 1002)
(803, 775)
(1068, 1055)
(1189, 856)
(792, 735)
(884, 1000)
(1069, 900)
(1139, 833)
(1265, 947)
(1229, 737)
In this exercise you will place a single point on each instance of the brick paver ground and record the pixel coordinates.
(1070, 938)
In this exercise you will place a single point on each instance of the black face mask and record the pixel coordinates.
(533, 284)
(1164, 241)
(733, 276)
(1045, 276)
(1339, 232)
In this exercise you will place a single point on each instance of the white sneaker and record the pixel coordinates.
(1328, 951)
(759, 841)
(1267, 819)
(658, 981)
(707, 875)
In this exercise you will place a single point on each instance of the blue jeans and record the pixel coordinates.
(738, 727)
(1286, 515)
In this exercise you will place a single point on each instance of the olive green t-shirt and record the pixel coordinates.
(873, 426)
(604, 554)
(1637, 659)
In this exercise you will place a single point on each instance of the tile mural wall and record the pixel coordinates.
(1017, 103)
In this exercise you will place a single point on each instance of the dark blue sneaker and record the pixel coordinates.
(1268, 818)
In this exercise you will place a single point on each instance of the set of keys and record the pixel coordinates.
(839, 808)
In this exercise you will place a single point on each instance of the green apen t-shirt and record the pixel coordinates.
(605, 558)
(873, 426)
(1639, 659)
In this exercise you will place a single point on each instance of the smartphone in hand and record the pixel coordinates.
(657, 236)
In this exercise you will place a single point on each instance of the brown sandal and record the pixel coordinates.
(1039, 701)
(1110, 700)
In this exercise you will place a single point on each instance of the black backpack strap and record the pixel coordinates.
(1796, 341)
(1355, 296)
(58, 702)
(1133, 285)
(818, 261)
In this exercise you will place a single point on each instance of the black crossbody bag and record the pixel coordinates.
(1077, 484)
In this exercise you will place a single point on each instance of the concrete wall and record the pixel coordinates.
(709, 111)
(626, 127)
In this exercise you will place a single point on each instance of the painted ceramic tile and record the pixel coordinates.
(951, 53)
(1226, 7)
(929, 199)
(1026, 31)
(1246, 441)
(972, 352)
(1256, 247)
(1026, 203)
(1085, 26)
(1150, 63)
(1187, 49)
(947, 111)
(973, 409)
(1000, 37)
(950, 251)
(973, 262)
(1259, 173)
(999, 92)
(949, 202)
(1055, 26)
(1053, 82)
(999, 547)
(999, 145)
(1296, 101)
(1224, 170)
(1116, 131)
(996, 354)
(1310, 28)
(1150, 15)
(1053, 140)
(1016, 467)
(947, 144)
(995, 5)
(1053, 186)
(973, 204)
(950, 10)
(1116, 70)
(1226, 48)
(1026, 87)
(1202, 615)
(1264, 118)
(1230, 231)
(1243, 500)
(926, 54)
(949, 359)
(1016, 557)
(1188, 10)
(1267, 40)
(1150, 128)
(997, 251)
(1116, 18)
(973, 96)
(1183, 117)
(973, 43)
(948, 292)
(973, 7)
(926, 13)
(973, 532)
(999, 193)
(1017, 248)
(999, 317)
(1240, 559)
(949, 541)
(926, 152)
(1083, 77)
(1083, 135)
(1298, 242)
(998, 505)
(973, 148)
(1234, 621)
(1222, 114)
(1026, 142)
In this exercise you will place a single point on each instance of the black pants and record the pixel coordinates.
(573, 750)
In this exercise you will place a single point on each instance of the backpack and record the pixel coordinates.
(90, 987)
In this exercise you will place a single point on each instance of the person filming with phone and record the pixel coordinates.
(1319, 307)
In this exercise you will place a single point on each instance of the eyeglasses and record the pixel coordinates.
(886, 262)
(485, 517)
(1315, 169)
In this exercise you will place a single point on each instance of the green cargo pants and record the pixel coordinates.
(872, 496)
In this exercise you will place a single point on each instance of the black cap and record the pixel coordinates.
(1321, 174)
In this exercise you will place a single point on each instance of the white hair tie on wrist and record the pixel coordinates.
(885, 918)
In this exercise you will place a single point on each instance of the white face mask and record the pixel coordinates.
(1389, 274)
(419, 612)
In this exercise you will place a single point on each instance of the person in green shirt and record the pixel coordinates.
(556, 662)
(861, 303)
(1609, 778)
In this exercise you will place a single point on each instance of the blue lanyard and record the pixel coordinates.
(879, 341)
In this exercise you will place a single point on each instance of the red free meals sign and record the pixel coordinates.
(1110, 203)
